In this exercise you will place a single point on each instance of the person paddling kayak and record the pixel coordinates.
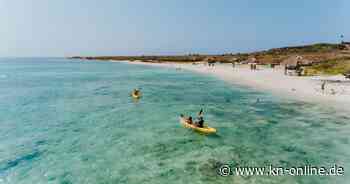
(188, 120)
(200, 121)
(136, 93)
(198, 125)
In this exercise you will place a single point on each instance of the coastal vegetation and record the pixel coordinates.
(324, 58)
(330, 67)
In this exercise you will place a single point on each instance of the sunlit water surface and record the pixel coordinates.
(66, 121)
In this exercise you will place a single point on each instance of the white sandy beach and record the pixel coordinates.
(274, 81)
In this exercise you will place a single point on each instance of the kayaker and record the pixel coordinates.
(188, 120)
(136, 92)
(200, 122)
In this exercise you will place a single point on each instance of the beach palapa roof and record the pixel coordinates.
(251, 60)
(290, 61)
(233, 59)
(209, 59)
(294, 60)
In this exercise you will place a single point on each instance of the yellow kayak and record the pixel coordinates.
(136, 96)
(205, 129)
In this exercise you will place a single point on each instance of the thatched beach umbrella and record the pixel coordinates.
(295, 61)
(233, 59)
(209, 60)
(292, 61)
(251, 60)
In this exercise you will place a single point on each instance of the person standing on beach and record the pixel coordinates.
(285, 69)
(323, 86)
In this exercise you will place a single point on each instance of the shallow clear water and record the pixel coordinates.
(64, 121)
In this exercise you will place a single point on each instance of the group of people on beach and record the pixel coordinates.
(211, 64)
(199, 122)
(253, 66)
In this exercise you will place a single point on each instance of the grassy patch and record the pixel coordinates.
(330, 67)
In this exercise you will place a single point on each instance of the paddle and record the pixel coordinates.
(200, 113)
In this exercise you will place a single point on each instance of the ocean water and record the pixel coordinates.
(72, 122)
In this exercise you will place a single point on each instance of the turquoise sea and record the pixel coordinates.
(71, 122)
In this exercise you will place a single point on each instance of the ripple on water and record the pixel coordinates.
(23, 159)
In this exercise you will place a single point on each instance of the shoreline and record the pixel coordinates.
(307, 89)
